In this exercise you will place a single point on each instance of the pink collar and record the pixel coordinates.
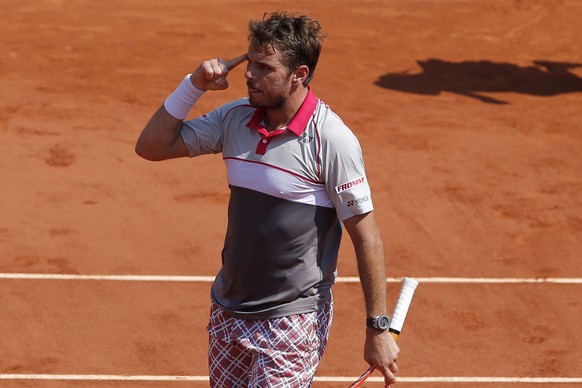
(297, 124)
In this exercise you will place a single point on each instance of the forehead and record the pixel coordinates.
(265, 54)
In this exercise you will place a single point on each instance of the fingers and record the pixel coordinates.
(381, 351)
(217, 67)
(213, 69)
(388, 372)
(211, 75)
(235, 61)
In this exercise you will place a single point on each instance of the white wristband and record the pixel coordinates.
(179, 103)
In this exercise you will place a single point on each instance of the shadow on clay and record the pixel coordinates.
(471, 78)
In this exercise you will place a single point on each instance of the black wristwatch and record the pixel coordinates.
(381, 322)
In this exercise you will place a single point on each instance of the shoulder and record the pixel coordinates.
(227, 111)
(241, 102)
(240, 105)
(331, 128)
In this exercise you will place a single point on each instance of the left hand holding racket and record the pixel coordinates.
(381, 351)
(398, 316)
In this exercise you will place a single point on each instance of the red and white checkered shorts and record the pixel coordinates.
(279, 352)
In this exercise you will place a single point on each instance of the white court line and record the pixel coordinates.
(540, 380)
(475, 280)
(170, 278)
(100, 377)
(534, 380)
(125, 278)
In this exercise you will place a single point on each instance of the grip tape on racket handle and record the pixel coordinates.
(402, 305)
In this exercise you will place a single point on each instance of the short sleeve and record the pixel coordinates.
(202, 135)
(345, 173)
(205, 134)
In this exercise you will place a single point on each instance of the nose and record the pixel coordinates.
(248, 74)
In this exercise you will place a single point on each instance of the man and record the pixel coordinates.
(295, 172)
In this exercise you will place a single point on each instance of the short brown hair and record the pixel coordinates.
(298, 37)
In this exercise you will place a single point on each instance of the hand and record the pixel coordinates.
(211, 74)
(381, 351)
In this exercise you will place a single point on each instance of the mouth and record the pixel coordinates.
(252, 89)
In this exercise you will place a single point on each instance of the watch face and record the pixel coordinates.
(383, 322)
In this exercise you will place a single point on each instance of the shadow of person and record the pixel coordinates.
(470, 78)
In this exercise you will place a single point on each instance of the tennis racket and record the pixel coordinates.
(398, 316)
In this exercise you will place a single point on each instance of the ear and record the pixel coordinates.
(300, 74)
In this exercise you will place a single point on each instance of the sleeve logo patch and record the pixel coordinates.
(350, 184)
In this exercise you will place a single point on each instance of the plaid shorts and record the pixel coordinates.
(279, 352)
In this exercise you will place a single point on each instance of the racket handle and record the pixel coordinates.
(402, 305)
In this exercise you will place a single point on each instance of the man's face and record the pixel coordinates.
(268, 79)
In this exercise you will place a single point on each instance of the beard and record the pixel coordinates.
(268, 102)
(260, 99)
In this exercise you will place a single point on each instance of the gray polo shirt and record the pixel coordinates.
(290, 188)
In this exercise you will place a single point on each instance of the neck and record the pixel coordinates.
(280, 117)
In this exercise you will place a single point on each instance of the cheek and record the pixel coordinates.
(273, 83)
(270, 82)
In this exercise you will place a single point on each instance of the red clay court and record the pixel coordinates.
(469, 113)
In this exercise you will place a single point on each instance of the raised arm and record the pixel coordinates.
(380, 349)
(160, 139)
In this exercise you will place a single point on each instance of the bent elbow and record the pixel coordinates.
(144, 152)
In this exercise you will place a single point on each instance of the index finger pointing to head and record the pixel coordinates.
(235, 61)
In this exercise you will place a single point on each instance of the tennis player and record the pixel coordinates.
(296, 175)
